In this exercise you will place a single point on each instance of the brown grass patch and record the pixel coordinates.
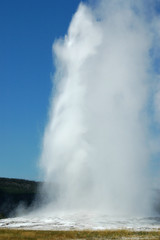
(8, 234)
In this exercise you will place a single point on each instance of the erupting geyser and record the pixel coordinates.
(97, 144)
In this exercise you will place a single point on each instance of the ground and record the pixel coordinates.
(8, 234)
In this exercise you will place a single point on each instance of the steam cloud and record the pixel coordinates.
(98, 143)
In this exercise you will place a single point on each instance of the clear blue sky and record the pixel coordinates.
(27, 31)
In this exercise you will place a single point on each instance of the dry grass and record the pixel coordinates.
(8, 234)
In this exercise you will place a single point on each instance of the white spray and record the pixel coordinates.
(96, 147)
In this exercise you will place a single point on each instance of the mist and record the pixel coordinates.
(99, 141)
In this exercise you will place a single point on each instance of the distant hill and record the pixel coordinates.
(14, 192)
(157, 201)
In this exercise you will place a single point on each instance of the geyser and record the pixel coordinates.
(97, 144)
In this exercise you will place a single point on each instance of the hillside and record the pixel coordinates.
(14, 192)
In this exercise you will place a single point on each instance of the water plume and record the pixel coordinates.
(97, 144)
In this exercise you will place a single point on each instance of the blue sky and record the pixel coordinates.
(27, 31)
